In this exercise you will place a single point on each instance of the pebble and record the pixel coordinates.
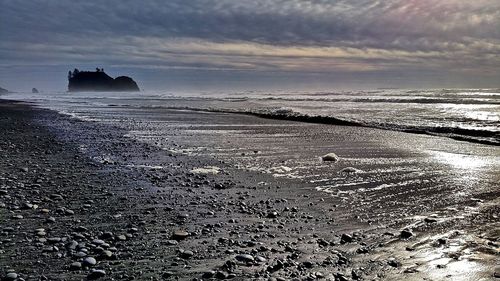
(430, 220)
(405, 234)
(245, 258)
(50, 220)
(10, 276)
(80, 254)
(89, 261)
(96, 274)
(332, 157)
(75, 266)
(346, 238)
(98, 242)
(180, 235)
(260, 259)
(272, 215)
(208, 274)
(220, 275)
(121, 237)
(106, 254)
(186, 254)
(167, 274)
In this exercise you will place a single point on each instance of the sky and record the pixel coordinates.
(202, 45)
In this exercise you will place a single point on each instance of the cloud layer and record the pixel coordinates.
(351, 36)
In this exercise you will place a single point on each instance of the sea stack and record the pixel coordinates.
(3, 91)
(99, 81)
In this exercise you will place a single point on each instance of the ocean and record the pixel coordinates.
(465, 114)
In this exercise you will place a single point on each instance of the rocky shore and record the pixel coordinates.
(72, 207)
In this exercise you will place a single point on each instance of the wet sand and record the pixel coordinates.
(201, 199)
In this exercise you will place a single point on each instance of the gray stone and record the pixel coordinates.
(11, 276)
(75, 266)
(405, 234)
(186, 254)
(330, 157)
(245, 258)
(96, 274)
(180, 235)
(89, 261)
(346, 238)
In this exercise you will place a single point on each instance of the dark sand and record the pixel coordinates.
(68, 191)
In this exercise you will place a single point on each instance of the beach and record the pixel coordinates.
(171, 194)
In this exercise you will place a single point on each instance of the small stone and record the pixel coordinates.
(121, 237)
(260, 259)
(208, 275)
(106, 254)
(346, 238)
(220, 275)
(430, 220)
(186, 254)
(308, 264)
(54, 240)
(10, 276)
(405, 234)
(89, 261)
(167, 274)
(330, 157)
(183, 216)
(394, 263)
(96, 274)
(245, 258)
(50, 220)
(272, 215)
(80, 254)
(180, 235)
(98, 242)
(75, 266)
(411, 270)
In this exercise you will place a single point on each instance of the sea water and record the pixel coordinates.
(467, 114)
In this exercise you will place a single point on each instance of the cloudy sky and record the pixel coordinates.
(254, 44)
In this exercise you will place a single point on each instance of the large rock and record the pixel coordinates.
(124, 83)
(330, 157)
(99, 81)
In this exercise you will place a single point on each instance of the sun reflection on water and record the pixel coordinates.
(460, 161)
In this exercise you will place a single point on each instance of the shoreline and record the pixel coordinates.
(276, 233)
(452, 133)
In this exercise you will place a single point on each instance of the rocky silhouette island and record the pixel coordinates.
(99, 81)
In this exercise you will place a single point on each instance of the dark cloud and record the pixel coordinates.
(360, 35)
